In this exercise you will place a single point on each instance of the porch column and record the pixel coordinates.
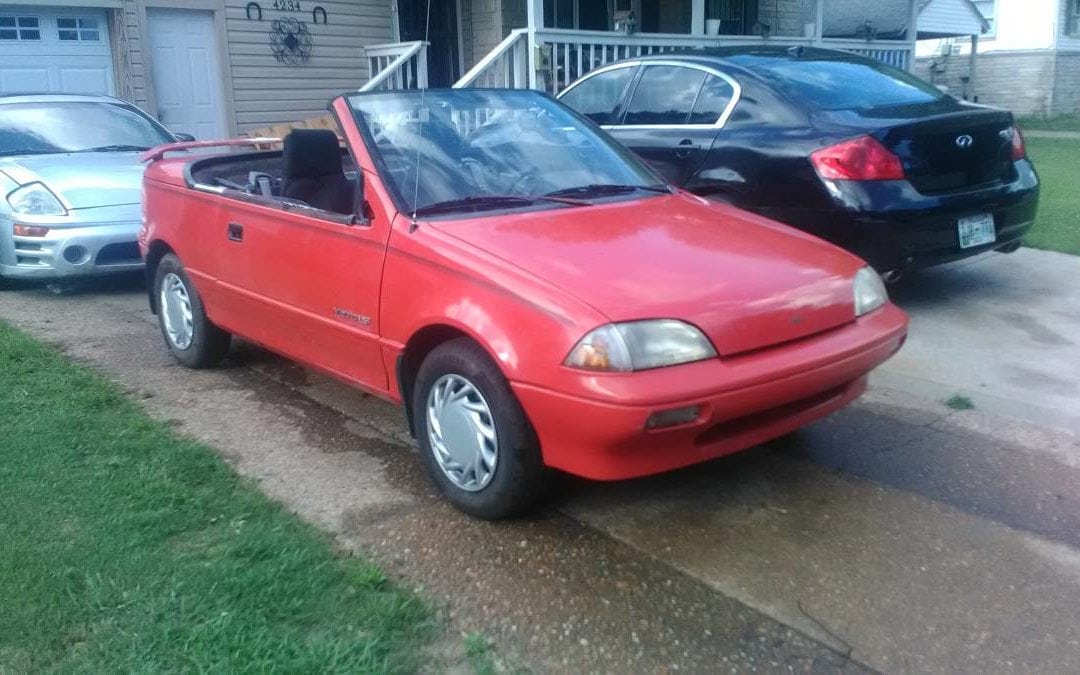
(819, 21)
(534, 14)
(972, 60)
(912, 34)
(534, 17)
(697, 17)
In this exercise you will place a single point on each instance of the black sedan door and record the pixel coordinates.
(671, 118)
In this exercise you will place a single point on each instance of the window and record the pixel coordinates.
(529, 147)
(988, 9)
(665, 95)
(1072, 18)
(78, 29)
(20, 28)
(712, 101)
(837, 83)
(577, 14)
(598, 97)
(47, 128)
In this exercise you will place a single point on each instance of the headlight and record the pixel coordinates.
(34, 199)
(869, 291)
(640, 345)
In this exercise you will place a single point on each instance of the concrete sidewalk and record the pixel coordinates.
(1002, 329)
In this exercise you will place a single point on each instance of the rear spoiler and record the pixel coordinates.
(154, 154)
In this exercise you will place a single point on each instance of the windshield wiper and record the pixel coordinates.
(480, 202)
(116, 148)
(18, 153)
(601, 189)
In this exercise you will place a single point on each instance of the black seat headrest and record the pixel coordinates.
(311, 153)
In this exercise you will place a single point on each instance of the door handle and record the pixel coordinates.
(235, 232)
(684, 148)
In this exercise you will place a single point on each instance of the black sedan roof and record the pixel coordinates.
(746, 57)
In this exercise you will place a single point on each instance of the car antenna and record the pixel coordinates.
(420, 129)
(796, 51)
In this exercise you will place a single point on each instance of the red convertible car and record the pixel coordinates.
(533, 295)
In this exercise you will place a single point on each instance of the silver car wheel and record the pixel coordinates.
(461, 429)
(176, 311)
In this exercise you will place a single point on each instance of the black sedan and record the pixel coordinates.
(841, 146)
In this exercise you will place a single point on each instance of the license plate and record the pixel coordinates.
(976, 230)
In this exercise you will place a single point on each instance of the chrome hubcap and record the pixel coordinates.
(176, 311)
(462, 432)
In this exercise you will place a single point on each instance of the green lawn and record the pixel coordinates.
(1057, 226)
(1059, 123)
(124, 547)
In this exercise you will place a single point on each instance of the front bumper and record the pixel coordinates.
(70, 249)
(892, 226)
(744, 400)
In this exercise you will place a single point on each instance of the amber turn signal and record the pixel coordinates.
(673, 417)
(30, 230)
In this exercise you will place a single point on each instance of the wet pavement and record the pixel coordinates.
(896, 535)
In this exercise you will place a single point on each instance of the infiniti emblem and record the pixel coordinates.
(964, 141)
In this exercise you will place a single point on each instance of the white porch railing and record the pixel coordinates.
(897, 55)
(569, 54)
(575, 52)
(506, 66)
(398, 65)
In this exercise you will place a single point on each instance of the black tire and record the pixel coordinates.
(520, 478)
(208, 344)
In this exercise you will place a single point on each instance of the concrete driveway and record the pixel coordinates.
(897, 535)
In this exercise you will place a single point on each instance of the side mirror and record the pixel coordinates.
(184, 138)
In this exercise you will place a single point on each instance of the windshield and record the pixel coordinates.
(846, 85)
(53, 127)
(472, 150)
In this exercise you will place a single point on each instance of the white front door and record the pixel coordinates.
(186, 72)
(45, 49)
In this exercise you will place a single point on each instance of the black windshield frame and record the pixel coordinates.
(402, 204)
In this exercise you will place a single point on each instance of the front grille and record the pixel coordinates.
(118, 254)
(763, 418)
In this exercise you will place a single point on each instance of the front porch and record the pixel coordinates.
(547, 44)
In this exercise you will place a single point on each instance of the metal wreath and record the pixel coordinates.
(290, 41)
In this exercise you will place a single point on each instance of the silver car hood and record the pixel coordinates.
(84, 180)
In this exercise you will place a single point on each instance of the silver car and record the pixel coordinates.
(70, 184)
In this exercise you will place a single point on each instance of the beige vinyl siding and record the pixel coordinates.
(266, 91)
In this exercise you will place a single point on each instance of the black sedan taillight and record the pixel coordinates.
(1019, 151)
(861, 158)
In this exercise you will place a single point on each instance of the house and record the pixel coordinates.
(1028, 60)
(222, 67)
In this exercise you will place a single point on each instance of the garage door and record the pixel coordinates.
(54, 50)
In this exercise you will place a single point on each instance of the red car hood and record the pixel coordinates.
(746, 281)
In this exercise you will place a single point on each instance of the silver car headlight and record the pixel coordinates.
(34, 199)
(869, 291)
(640, 345)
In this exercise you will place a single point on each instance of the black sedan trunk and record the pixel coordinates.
(942, 151)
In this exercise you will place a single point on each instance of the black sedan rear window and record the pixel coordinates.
(846, 85)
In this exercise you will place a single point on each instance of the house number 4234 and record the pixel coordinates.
(287, 5)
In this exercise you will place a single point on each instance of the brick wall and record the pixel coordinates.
(483, 30)
(1066, 84)
(785, 17)
(1019, 81)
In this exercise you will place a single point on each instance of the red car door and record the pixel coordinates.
(305, 283)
